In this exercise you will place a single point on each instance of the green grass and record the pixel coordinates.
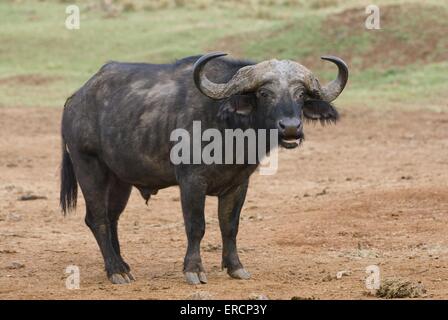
(34, 41)
(413, 87)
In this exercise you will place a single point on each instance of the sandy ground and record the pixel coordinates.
(371, 190)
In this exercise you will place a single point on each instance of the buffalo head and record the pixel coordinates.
(277, 94)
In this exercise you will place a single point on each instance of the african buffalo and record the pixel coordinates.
(116, 134)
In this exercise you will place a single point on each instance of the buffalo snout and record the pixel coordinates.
(290, 128)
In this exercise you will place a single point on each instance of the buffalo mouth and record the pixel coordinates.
(291, 142)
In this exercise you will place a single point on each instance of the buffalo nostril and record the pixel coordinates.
(281, 124)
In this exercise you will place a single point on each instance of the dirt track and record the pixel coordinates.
(371, 190)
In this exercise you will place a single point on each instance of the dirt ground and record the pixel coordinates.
(372, 190)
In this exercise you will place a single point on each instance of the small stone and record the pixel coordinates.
(15, 265)
(303, 298)
(255, 296)
(14, 217)
(8, 251)
(30, 196)
(10, 187)
(342, 273)
(212, 247)
(200, 295)
(327, 278)
(323, 192)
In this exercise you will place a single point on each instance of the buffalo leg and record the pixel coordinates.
(229, 208)
(193, 202)
(118, 196)
(94, 179)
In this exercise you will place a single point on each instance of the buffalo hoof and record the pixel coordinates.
(195, 277)
(240, 274)
(121, 278)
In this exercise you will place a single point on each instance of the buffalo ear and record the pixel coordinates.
(242, 104)
(319, 110)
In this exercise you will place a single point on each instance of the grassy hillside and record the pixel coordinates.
(402, 65)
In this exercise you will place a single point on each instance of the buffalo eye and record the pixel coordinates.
(299, 94)
(265, 93)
